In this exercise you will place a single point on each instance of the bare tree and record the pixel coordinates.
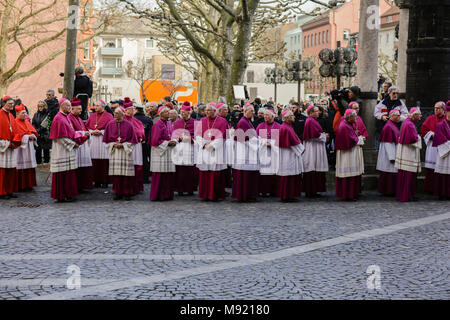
(29, 25)
(388, 66)
(218, 35)
(143, 73)
(172, 86)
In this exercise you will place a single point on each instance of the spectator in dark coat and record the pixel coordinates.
(82, 90)
(41, 122)
(52, 104)
(300, 119)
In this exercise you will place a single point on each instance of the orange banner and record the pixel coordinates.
(158, 89)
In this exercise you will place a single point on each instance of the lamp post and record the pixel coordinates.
(275, 76)
(338, 63)
(299, 70)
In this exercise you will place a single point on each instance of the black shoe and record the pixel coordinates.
(97, 185)
(127, 197)
(70, 200)
(117, 197)
(5, 197)
(104, 185)
(12, 195)
(180, 193)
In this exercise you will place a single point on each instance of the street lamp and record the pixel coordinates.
(275, 76)
(299, 70)
(338, 63)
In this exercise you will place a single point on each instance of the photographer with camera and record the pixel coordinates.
(340, 99)
(236, 115)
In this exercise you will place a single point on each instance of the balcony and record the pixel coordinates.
(111, 71)
(111, 51)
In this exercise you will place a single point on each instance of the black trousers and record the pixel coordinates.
(146, 161)
(84, 104)
(39, 150)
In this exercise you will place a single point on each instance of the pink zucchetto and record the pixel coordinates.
(309, 108)
(394, 111)
(127, 103)
(186, 106)
(351, 104)
(349, 112)
(160, 109)
(414, 110)
(286, 113)
(214, 105)
(62, 100)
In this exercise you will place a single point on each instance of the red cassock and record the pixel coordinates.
(8, 176)
(26, 178)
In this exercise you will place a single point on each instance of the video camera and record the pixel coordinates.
(341, 96)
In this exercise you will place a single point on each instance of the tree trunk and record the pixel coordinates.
(227, 53)
(240, 55)
(5, 17)
(71, 49)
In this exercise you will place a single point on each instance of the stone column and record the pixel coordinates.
(369, 24)
(402, 46)
(428, 64)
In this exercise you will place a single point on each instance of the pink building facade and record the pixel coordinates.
(33, 88)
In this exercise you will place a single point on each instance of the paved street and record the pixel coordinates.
(191, 249)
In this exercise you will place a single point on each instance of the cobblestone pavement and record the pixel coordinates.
(192, 249)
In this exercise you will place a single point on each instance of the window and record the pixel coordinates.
(149, 43)
(318, 39)
(346, 35)
(112, 63)
(253, 93)
(168, 72)
(86, 50)
(304, 43)
(117, 91)
(389, 19)
(315, 39)
(250, 76)
(112, 43)
(328, 38)
(323, 36)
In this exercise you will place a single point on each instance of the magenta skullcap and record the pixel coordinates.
(349, 112)
(394, 111)
(414, 110)
(310, 107)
